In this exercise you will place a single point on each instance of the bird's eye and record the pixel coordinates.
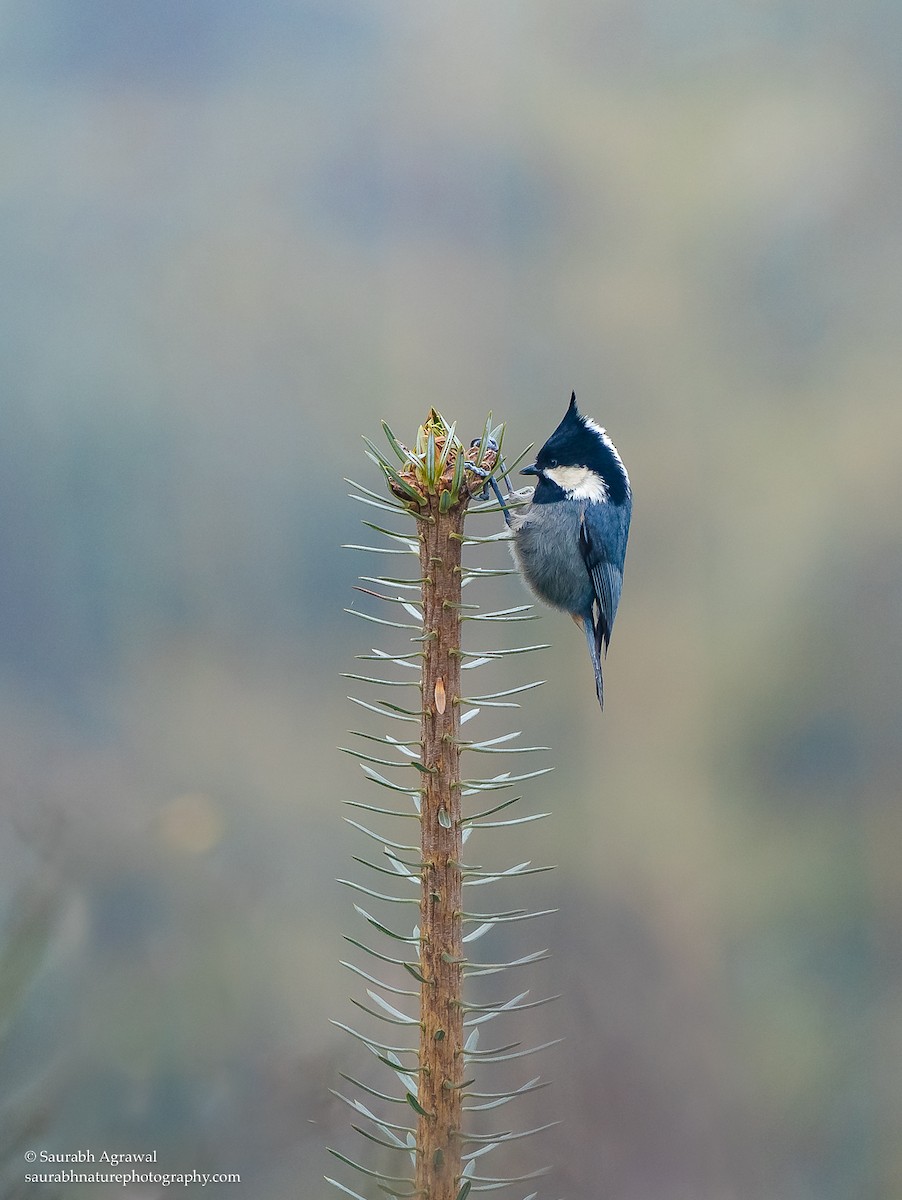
(552, 463)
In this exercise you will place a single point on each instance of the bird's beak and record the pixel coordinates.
(531, 470)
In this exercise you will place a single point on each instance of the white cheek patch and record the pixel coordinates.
(579, 483)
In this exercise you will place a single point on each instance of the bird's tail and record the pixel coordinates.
(594, 650)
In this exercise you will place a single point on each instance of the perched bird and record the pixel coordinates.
(570, 541)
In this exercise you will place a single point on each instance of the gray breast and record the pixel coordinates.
(546, 548)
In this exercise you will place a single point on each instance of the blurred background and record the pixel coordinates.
(234, 237)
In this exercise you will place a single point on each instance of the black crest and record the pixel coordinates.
(579, 442)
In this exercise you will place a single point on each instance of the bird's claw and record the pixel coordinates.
(489, 478)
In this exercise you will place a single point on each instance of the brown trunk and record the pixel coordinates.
(441, 1039)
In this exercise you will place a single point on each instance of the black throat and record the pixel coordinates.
(547, 492)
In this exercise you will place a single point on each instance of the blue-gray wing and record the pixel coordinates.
(603, 533)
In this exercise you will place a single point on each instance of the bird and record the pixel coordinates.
(570, 540)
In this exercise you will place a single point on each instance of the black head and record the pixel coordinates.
(578, 442)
